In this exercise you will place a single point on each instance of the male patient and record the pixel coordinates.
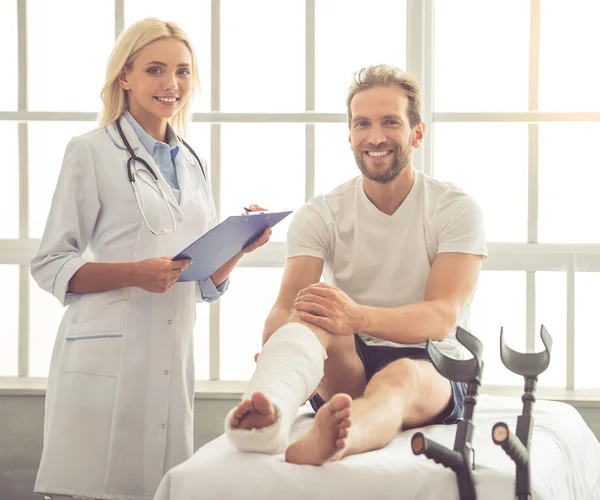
(400, 254)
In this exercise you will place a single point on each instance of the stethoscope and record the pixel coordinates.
(131, 174)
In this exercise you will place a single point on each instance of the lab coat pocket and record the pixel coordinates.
(94, 355)
(94, 346)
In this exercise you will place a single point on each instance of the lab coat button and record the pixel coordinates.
(162, 426)
(166, 372)
(179, 219)
(169, 322)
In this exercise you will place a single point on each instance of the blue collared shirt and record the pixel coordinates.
(164, 156)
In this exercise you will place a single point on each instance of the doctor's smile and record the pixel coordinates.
(166, 100)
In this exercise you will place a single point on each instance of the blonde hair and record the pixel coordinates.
(383, 74)
(126, 49)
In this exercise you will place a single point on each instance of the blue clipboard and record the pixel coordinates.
(222, 242)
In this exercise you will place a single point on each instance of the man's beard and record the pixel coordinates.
(400, 159)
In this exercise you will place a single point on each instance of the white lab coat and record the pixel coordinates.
(121, 384)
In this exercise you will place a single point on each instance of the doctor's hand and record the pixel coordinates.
(328, 307)
(255, 208)
(258, 242)
(158, 274)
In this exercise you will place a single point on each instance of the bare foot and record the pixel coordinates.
(254, 413)
(327, 439)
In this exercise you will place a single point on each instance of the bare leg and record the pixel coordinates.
(406, 394)
(328, 437)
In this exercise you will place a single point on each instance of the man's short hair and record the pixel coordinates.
(385, 75)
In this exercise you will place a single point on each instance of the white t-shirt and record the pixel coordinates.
(384, 260)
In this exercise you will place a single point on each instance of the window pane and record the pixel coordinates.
(569, 175)
(202, 342)
(194, 18)
(47, 145)
(68, 46)
(199, 139)
(569, 36)
(334, 161)
(488, 161)
(263, 164)
(478, 65)
(244, 309)
(9, 188)
(499, 302)
(8, 42)
(349, 37)
(262, 56)
(45, 315)
(9, 311)
(587, 330)
(551, 311)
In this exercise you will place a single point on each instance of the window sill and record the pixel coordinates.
(225, 389)
(205, 389)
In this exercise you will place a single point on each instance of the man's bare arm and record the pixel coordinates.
(450, 285)
(299, 273)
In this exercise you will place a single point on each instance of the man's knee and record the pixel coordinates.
(403, 374)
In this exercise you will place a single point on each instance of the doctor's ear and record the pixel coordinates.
(123, 81)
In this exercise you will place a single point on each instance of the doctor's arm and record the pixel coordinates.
(153, 275)
(58, 267)
(71, 220)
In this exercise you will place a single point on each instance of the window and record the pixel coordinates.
(499, 303)
(587, 291)
(262, 73)
(255, 159)
(9, 188)
(334, 160)
(477, 66)
(62, 75)
(262, 57)
(513, 120)
(568, 38)
(533, 174)
(9, 308)
(497, 181)
(568, 179)
(251, 299)
(348, 37)
(8, 42)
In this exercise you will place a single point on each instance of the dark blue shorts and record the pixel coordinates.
(375, 358)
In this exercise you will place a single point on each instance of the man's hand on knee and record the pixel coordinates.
(330, 308)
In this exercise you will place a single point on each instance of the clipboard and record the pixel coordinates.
(222, 242)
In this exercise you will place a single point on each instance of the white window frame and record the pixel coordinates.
(529, 257)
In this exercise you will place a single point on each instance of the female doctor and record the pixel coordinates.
(120, 391)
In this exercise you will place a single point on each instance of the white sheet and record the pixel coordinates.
(565, 465)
